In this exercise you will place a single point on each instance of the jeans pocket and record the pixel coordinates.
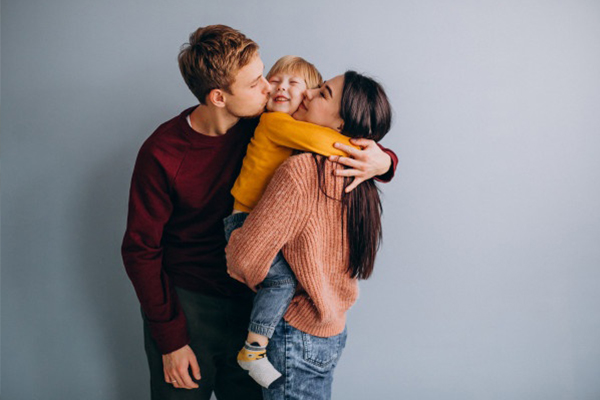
(323, 352)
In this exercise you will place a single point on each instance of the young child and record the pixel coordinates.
(275, 138)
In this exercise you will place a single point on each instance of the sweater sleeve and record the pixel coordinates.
(389, 175)
(277, 219)
(150, 207)
(285, 131)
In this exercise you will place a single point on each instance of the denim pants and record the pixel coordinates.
(274, 293)
(307, 363)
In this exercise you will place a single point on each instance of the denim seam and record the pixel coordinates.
(308, 350)
(261, 329)
(279, 282)
(288, 351)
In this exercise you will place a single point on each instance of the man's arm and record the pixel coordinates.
(371, 161)
(391, 171)
(150, 208)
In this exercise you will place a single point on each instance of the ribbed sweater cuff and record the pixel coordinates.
(170, 336)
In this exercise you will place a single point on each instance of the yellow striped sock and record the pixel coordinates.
(246, 355)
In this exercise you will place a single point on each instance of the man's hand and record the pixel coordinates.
(176, 367)
(366, 163)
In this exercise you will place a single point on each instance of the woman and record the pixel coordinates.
(329, 238)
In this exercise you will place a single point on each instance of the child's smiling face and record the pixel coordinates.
(287, 92)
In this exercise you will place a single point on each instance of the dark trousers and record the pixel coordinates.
(218, 329)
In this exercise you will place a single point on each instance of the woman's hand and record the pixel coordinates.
(368, 162)
(232, 271)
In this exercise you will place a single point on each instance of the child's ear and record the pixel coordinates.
(216, 97)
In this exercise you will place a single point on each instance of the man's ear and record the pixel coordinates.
(216, 97)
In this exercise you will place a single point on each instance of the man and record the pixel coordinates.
(195, 315)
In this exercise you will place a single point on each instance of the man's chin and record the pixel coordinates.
(251, 116)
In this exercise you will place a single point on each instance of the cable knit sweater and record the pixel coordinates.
(296, 217)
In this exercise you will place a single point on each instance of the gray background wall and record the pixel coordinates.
(488, 283)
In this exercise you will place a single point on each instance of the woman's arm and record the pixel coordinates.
(278, 218)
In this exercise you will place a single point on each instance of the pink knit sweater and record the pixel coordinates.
(296, 217)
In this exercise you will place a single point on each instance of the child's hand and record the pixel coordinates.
(366, 163)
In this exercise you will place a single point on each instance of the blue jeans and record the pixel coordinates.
(307, 363)
(274, 293)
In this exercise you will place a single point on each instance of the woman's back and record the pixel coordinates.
(308, 225)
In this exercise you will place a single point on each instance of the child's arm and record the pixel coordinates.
(285, 131)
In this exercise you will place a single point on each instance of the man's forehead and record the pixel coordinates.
(251, 71)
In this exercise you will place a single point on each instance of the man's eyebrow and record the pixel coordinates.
(260, 76)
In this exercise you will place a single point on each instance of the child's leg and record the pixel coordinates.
(275, 292)
(272, 299)
(270, 303)
(233, 222)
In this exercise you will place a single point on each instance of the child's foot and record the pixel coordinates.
(253, 358)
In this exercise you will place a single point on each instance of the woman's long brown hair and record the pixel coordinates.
(367, 113)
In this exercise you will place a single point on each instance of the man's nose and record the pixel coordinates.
(266, 85)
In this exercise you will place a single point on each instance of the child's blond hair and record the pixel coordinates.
(297, 65)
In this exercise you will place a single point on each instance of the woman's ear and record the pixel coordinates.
(341, 127)
(216, 97)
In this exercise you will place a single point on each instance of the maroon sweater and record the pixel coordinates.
(180, 193)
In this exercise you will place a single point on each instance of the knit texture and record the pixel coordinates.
(296, 217)
(275, 138)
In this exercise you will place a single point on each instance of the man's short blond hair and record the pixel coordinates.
(212, 58)
(297, 66)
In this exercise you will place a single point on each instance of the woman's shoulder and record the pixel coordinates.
(304, 170)
(300, 168)
(299, 165)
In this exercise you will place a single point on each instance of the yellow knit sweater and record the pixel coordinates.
(275, 138)
(294, 216)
